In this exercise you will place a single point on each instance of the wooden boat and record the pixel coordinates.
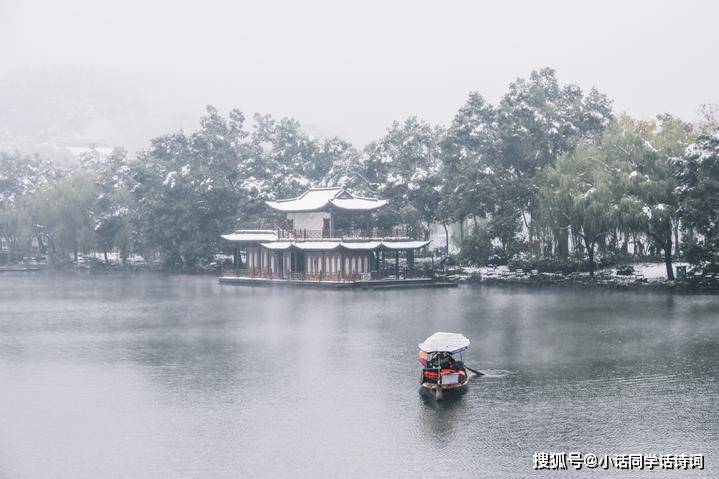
(443, 375)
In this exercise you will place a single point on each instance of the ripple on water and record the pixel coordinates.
(496, 373)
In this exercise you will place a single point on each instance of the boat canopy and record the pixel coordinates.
(445, 343)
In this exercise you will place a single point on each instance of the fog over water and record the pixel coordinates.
(178, 376)
(124, 72)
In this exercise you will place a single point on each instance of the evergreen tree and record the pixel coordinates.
(405, 165)
(698, 175)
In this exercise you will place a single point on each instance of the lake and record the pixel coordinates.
(153, 376)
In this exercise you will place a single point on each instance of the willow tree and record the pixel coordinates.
(646, 152)
(578, 193)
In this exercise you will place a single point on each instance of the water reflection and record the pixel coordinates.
(445, 415)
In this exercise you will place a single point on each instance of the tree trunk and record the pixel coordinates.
(602, 245)
(668, 256)
(638, 248)
(530, 234)
(590, 252)
(614, 240)
(625, 244)
(461, 231)
(446, 236)
(40, 245)
(105, 255)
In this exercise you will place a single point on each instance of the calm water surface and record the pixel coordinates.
(173, 376)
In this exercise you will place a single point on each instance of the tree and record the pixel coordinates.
(111, 213)
(646, 152)
(494, 155)
(187, 189)
(61, 212)
(698, 175)
(20, 177)
(579, 192)
(347, 168)
(477, 247)
(469, 162)
(405, 165)
(708, 118)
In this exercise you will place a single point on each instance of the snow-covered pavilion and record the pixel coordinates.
(308, 246)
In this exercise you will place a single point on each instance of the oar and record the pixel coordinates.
(474, 371)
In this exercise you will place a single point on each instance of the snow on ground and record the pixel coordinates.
(650, 271)
(654, 270)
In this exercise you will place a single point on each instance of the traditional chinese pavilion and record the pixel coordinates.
(308, 246)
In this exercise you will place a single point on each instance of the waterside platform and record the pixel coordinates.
(371, 284)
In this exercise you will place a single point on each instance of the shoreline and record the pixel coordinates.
(461, 275)
(661, 288)
(603, 279)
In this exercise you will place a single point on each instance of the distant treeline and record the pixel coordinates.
(550, 172)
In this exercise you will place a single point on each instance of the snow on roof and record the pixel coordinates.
(315, 199)
(316, 245)
(277, 245)
(396, 245)
(361, 245)
(445, 342)
(251, 236)
(356, 203)
(349, 245)
(311, 200)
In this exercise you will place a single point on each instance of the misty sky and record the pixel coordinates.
(352, 67)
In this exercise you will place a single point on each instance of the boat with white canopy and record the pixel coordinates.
(441, 372)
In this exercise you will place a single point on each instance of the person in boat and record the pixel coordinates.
(441, 372)
(444, 361)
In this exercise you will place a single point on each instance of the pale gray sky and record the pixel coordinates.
(352, 67)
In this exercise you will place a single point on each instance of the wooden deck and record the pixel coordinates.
(371, 284)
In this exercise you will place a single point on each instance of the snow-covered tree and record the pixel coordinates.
(645, 153)
(698, 175)
(112, 212)
(492, 156)
(187, 189)
(405, 164)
